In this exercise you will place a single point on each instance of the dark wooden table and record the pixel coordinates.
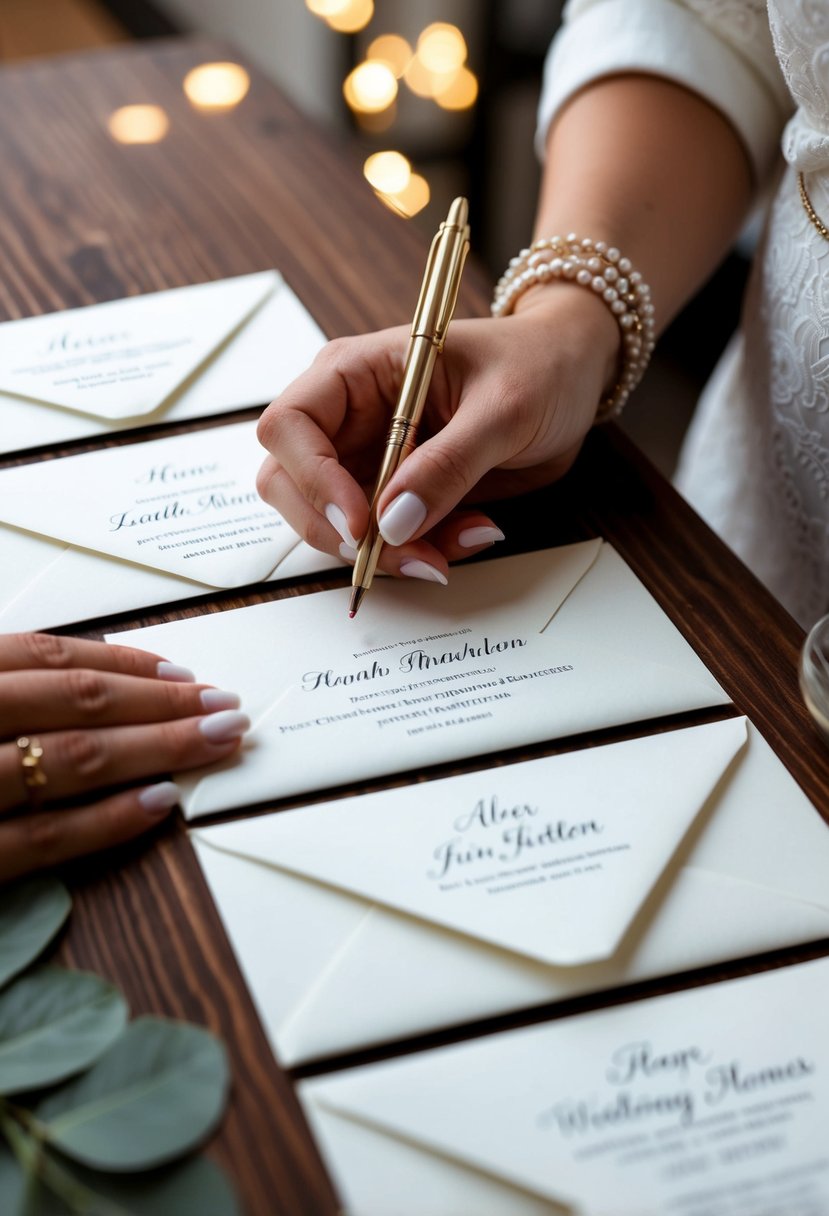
(82, 220)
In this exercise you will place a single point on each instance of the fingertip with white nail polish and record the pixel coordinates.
(336, 517)
(174, 672)
(224, 726)
(215, 699)
(418, 569)
(402, 518)
(348, 552)
(470, 538)
(158, 799)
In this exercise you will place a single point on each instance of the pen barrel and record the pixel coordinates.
(441, 282)
(402, 434)
(417, 375)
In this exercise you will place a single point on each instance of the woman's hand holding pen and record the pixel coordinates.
(509, 405)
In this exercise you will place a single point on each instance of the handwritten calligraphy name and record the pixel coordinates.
(312, 680)
(421, 660)
(167, 473)
(515, 839)
(217, 501)
(66, 342)
(637, 1063)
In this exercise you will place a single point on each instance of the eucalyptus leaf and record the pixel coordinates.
(150, 1098)
(195, 1188)
(53, 1023)
(31, 913)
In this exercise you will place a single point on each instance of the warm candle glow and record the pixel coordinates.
(421, 80)
(216, 86)
(411, 199)
(441, 48)
(138, 124)
(389, 172)
(460, 93)
(354, 15)
(392, 50)
(370, 87)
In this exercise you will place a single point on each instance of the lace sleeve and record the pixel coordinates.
(721, 49)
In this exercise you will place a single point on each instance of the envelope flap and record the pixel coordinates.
(550, 859)
(399, 1101)
(370, 1161)
(254, 652)
(186, 505)
(369, 1164)
(124, 358)
(598, 1109)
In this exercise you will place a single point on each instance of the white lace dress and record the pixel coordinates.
(756, 460)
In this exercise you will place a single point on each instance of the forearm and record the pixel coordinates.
(650, 167)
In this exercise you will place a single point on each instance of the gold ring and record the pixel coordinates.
(34, 777)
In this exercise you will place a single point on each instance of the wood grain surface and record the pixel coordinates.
(83, 220)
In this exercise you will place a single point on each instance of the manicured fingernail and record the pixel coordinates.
(348, 552)
(417, 569)
(224, 726)
(470, 537)
(158, 799)
(402, 518)
(336, 518)
(216, 698)
(172, 671)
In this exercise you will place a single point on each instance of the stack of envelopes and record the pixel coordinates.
(151, 522)
(372, 918)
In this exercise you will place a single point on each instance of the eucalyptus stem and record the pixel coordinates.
(39, 1167)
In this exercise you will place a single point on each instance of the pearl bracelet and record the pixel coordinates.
(599, 268)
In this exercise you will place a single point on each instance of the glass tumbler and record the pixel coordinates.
(814, 674)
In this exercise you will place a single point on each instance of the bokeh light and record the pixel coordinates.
(353, 16)
(388, 172)
(144, 124)
(441, 48)
(421, 80)
(393, 50)
(371, 87)
(326, 8)
(411, 199)
(216, 86)
(460, 93)
(344, 16)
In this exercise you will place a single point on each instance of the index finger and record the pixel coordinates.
(293, 431)
(45, 651)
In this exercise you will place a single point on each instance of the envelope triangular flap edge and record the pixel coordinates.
(370, 1161)
(206, 315)
(66, 500)
(552, 918)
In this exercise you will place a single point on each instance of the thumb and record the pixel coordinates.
(436, 477)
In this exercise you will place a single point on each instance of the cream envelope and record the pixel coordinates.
(710, 1102)
(163, 357)
(513, 651)
(140, 524)
(347, 939)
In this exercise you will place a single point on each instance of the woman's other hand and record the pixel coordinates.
(86, 730)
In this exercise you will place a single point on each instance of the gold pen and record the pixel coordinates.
(438, 295)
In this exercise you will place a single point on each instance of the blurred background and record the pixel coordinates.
(440, 96)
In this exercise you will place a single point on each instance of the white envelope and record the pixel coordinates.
(171, 355)
(513, 651)
(139, 524)
(710, 1102)
(345, 944)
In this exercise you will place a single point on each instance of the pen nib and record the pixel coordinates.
(356, 598)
